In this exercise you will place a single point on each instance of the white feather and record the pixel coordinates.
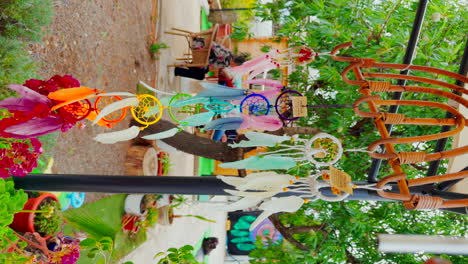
(272, 182)
(251, 194)
(116, 94)
(155, 90)
(233, 181)
(244, 203)
(284, 204)
(116, 106)
(117, 136)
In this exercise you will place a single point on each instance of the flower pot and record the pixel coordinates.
(24, 222)
(166, 215)
(129, 223)
(134, 204)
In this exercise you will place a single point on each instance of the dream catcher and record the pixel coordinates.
(261, 188)
(321, 150)
(275, 59)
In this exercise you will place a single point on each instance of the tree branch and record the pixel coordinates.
(287, 234)
(192, 144)
(303, 229)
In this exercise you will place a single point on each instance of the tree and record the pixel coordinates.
(345, 232)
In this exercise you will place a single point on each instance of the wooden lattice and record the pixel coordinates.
(369, 87)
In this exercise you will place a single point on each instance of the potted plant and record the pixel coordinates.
(164, 163)
(166, 216)
(41, 214)
(134, 204)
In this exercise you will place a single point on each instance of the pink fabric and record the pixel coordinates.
(269, 123)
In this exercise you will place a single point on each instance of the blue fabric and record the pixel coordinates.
(261, 163)
(227, 123)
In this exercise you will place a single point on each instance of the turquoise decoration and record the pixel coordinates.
(190, 101)
(198, 119)
(261, 163)
(227, 123)
(257, 139)
(165, 101)
(221, 92)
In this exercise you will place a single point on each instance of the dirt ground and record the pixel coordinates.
(104, 44)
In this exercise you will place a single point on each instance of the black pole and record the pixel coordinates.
(441, 143)
(122, 184)
(205, 185)
(409, 55)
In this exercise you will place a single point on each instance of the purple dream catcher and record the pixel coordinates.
(290, 107)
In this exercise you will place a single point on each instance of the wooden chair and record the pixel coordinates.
(196, 57)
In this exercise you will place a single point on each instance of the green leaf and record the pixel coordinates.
(88, 243)
(160, 254)
(101, 261)
(173, 250)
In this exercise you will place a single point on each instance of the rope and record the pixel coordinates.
(419, 202)
(376, 86)
(393, 118)
(411, 157)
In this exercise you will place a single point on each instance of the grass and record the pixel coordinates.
(100, 219)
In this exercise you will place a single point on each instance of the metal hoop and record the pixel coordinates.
(147, 104)
(284, 109)
(255, 105)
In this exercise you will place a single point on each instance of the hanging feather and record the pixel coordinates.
(29, 94)
(152, 111)
(265, 122)
(190, 101)
(288, 204)
(262, 195)
(155, 90)
(221, 92)
(165, 134)
(264, 67)
(233, 181)
(133, 101)
(116, 94)
(71, 94)
(270, 94)
(266, 82)
(118, 136)
(261, 163)
(242, 204)
(269, 181)
(257, 139)
(92, 116)
(226, 123)
(198, 119)
(165, 101)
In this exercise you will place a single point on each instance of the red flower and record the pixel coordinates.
(66, 81)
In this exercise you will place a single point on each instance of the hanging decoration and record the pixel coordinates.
(264, 186)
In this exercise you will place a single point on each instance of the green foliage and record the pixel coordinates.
(49, 219)
(245, 17)
(15, 65)
(24, 19)
(21, 22)
(155, 49)
(181, 255)
(379, 30)
(99, 250)
(12, 202)
(166, 164)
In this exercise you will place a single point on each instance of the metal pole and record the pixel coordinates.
(441, 143)
(206, 185)
(409, 55)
